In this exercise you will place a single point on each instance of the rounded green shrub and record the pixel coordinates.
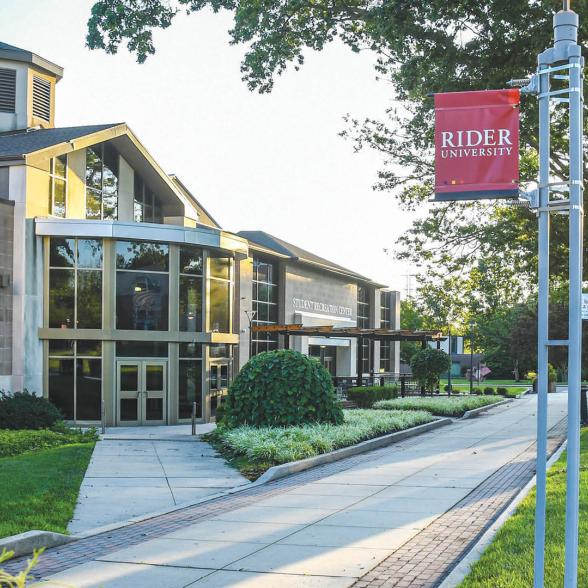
(282, 388)
(23, 410)
(489, 391)
(428, 365)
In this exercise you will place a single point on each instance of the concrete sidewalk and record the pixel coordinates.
(328, 532)
(147, 469)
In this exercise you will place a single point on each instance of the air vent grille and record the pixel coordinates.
(7, 90)
(41, 98)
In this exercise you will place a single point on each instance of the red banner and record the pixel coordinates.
(477, 145)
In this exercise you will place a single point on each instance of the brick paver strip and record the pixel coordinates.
(429, 557)
(421, 562)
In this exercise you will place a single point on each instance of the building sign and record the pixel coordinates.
(477, 145)
(300, 304)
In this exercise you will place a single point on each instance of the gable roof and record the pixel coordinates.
(204, 217)
(274, 244)
(12, 53)
(17, 144)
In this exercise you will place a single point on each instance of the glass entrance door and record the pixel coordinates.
(142, 392)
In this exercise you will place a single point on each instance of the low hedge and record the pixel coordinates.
(23, 410)
(24, 441)
(365, 396)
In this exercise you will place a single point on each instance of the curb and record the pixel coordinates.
(462, 569)
(476, 411)
(25, 543)
(280, 471)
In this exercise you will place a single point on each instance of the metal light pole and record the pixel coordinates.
(562, 62)
(450, 363)
(471, 357)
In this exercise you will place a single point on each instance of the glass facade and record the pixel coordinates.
(190, 380)
(58, 186)
(142, 286)
(75, 378)
(101, 182)
(265, 304)
(220, 288)
(386, 323)
(75, 283)
(146, 205)
(363, 322)
(191, 281)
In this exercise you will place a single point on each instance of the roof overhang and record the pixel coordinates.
(29, 57)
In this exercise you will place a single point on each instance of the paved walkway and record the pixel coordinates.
(136, 471)
(326, 527)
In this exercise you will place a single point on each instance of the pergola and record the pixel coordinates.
(361, 334)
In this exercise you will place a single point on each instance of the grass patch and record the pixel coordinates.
(15, 442)
(254, 450)
(508, 562)
(39, 489)
(450, 407)
(493, 383)
(512, 391)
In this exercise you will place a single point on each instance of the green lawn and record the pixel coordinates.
(512, 390)
(493, 383)
(450, 407)
(39, 489)
(508, 562)
(254, 450)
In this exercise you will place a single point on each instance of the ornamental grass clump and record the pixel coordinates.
(438, 406)
(275, 445)
(282, 388)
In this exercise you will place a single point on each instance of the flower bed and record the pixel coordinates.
(254, 450)
(449, 407)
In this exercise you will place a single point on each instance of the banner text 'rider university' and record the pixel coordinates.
(477, 145)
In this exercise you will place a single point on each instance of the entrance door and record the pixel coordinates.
(142, 392)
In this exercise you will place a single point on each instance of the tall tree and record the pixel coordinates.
(473, 257)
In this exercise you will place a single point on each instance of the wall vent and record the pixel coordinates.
(42, 98)
(7, 90)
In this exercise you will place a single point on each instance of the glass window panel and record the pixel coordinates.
(148, 213)
(220, 350)
(93, 204)
(128, 409)
(141, 301)
(190, 350)
(138, 188)
(60, 165)
(59, 197)
(139, 255)
(94, 167)
(190, 307)
(220, 319)
(189, 388)
(61, 347)
(190, 261)
(154, 377)
(213, 379)
(90, 253)
(255, 291)
(61, 386)
(61, 298)
(262, 312)
(220, 267)
(62, 252)
(262, 271)
(273, 313)
(154, 409)
(88, 389)
(141, 349)
(109, 207)
(157, 211)
(89, 299)
(110, 171)
(224, 376)
(93, 348)
(272, 294)
(129, 378)
(138, 211)
(262, 292)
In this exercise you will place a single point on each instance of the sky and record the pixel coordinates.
(271, 162)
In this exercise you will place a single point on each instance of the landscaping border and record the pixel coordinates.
(27, 542)
(462, 569)
(293, 467)
(476, 411)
